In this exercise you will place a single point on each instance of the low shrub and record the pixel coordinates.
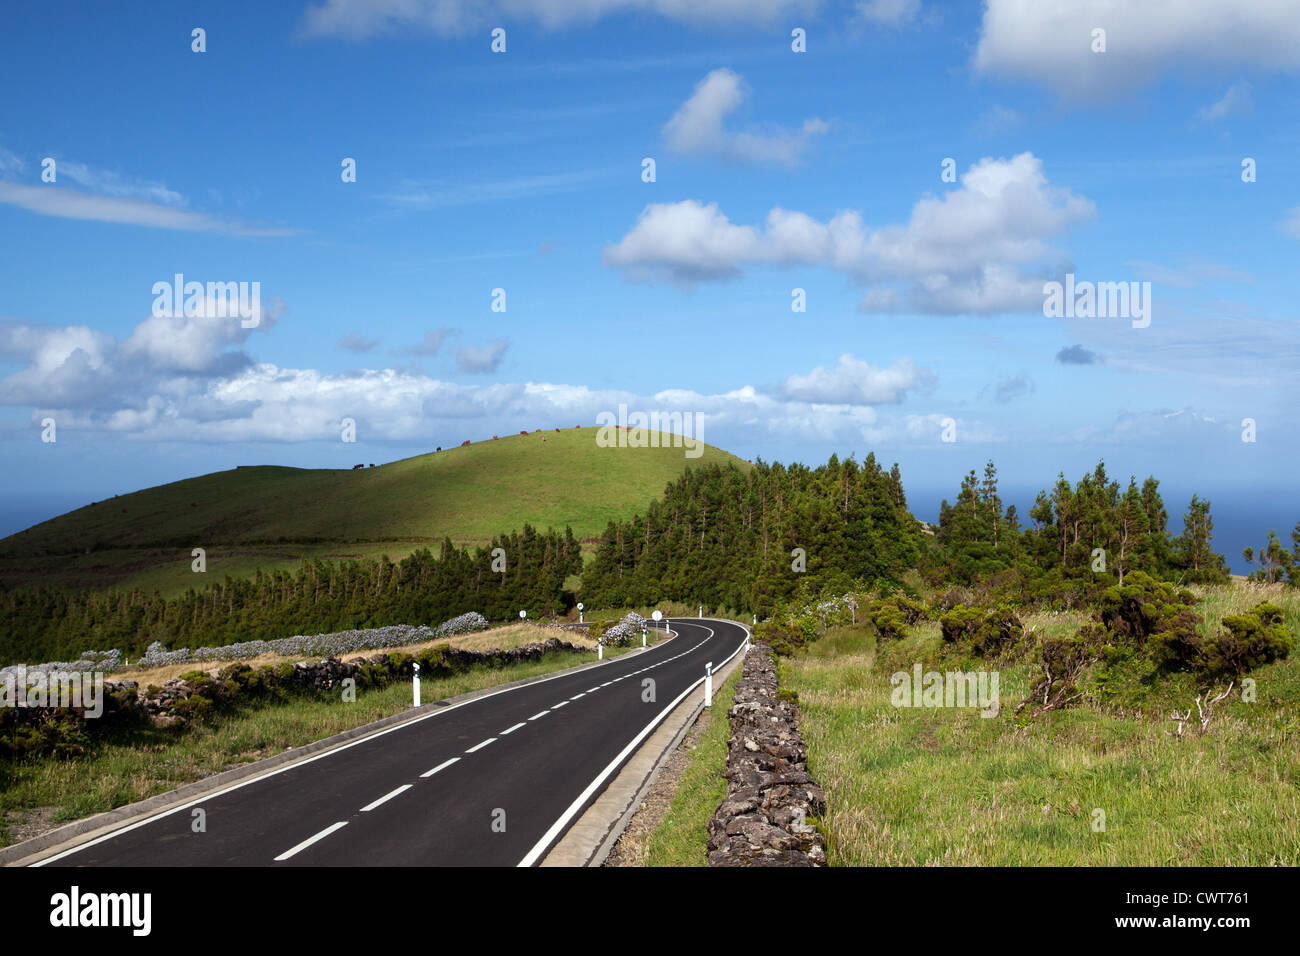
(1248, 641)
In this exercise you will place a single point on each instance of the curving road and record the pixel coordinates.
(493, 781)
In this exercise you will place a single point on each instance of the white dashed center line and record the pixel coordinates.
(480, 746)
(442, 766)
(542, 714)
(511, 730)
(386, 797)
(310, 840)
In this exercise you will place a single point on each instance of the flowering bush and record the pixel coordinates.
(623, 633)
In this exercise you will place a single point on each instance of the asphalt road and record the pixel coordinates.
(491, 782)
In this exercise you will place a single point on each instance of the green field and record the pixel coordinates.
(927, 786)
(272, 517)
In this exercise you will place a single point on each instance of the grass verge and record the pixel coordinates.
(682, 838)
(943, 786)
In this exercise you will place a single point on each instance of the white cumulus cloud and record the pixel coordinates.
(698, 126)
(1050, 42)
(980, 248)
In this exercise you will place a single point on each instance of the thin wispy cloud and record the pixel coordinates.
(418, 195)
(482, 359)
(1236, 101)
(362, 19)
(432, 341)
(108, 183)
(357, 343)
(65, 203)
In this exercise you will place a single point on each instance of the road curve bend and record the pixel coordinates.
(493, 781)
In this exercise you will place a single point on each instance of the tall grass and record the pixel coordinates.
(921, 786)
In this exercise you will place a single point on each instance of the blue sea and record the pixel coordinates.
(1242, 517)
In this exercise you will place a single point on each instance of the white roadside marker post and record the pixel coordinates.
(701, 614)
(708, 684)
(600, 649)
(580, 621)
(415, 685)
(643, 635)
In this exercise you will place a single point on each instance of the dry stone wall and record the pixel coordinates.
(763, 821)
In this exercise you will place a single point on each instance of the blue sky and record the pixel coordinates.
(774, 170)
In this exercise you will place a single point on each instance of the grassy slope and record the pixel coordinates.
(942, 786)
(271, 517)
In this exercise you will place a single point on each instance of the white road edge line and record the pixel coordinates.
(386, 797)
(333, 751)
(310, 840)
(558, 826)
(480, 746)
(442, 766)
(511, 730)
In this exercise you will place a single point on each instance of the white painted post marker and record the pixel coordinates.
(701, 614)
(580, 621)
(643, 636)
(415, 685)
(708, 684)
(600, 650)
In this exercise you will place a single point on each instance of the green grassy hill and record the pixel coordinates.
(269, 516)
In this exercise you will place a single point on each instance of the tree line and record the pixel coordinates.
(744, 540)
(527, 573)
(1095, 529)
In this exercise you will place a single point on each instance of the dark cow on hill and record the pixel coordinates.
(355, 467)
(464, 443)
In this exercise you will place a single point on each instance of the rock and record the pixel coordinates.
(762, 821)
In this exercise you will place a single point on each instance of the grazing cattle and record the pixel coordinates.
(355, 467)
(464, 443)
(494, 437)
(439, 448)
(372, 464)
